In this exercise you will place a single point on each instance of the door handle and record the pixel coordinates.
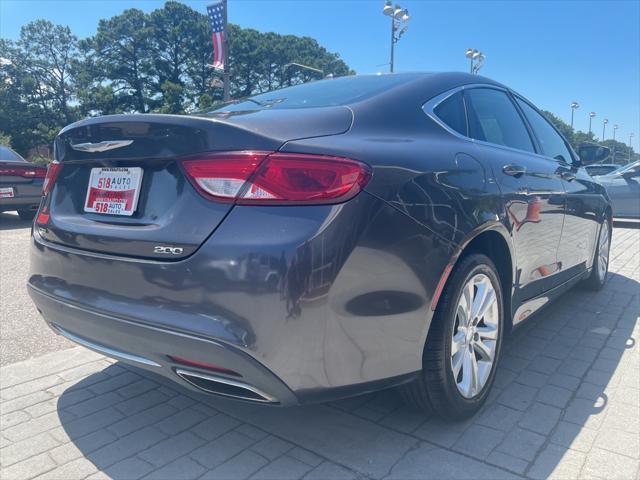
(514, 170)
(568, 176)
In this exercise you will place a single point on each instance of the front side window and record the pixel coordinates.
(551, 143)
(493, 118)
(451, 111)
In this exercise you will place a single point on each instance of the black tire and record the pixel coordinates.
(595, 281)
(435, 389)
(26, 214)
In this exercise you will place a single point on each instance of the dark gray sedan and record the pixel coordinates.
(320, 241)
(20, 184)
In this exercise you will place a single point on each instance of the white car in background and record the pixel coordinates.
(623, 187)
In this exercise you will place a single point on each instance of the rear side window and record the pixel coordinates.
(493, 118)
(7, 154)
(551, 142)
(451, 111)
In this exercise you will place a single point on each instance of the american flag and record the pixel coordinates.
(216, 19)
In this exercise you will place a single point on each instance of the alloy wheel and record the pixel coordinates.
(475, 335)
(603, 251)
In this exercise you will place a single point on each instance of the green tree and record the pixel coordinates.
(121, 54)
(36, 85)
(175, 37)
(47, 53)
(172, 94)
(139, 62)
(563, 127)
(619, 151)
(5, 139)
(261, 62)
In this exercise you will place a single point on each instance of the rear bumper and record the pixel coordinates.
(152, 348)
(306, 303)
(20, 203)
(26, 195)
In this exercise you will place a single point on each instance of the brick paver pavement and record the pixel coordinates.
(566, 404)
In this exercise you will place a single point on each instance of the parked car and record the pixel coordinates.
(601, 168)
(623, 187)
(20, 184)
(410, 222)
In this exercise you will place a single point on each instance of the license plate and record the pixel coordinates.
(113, 191)
(6, 192)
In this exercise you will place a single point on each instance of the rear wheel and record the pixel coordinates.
(463, 344)
(26, 214)
(600, 268)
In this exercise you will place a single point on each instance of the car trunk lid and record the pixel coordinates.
(170, 219)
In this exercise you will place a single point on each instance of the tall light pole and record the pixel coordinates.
(399, 19)
(591, 115)
(475, 56)
(613, 154)
(604, 125)
(574, 105)
(630, 137)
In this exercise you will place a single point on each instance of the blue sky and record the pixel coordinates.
(553, 52)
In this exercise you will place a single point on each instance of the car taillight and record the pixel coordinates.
(27, 172)
(52, 173)
(259, 178)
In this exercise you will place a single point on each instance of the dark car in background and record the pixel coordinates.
(319, 241)
(20, 184)
(623, 187)
(601, 168)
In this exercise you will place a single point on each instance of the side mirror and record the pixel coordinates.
(630, 174)
(590, 153)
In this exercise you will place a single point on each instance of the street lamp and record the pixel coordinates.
(399, 19)
(591, 115)
(474, 56)
(613, 154)
(604, 125)
(630, 137)
(574, 105)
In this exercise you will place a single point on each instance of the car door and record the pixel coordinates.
(533, 194)
(579, 231)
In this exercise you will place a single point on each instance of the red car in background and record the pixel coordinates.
(20, 184)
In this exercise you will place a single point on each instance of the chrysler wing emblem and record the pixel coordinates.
(101, 146)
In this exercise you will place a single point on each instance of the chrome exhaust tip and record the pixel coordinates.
(225, 387)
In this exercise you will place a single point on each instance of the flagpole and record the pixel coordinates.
(225, 74)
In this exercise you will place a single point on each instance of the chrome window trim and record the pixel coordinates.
(429, 107)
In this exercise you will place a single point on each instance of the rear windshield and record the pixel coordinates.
(323, 93)
(6, 154)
